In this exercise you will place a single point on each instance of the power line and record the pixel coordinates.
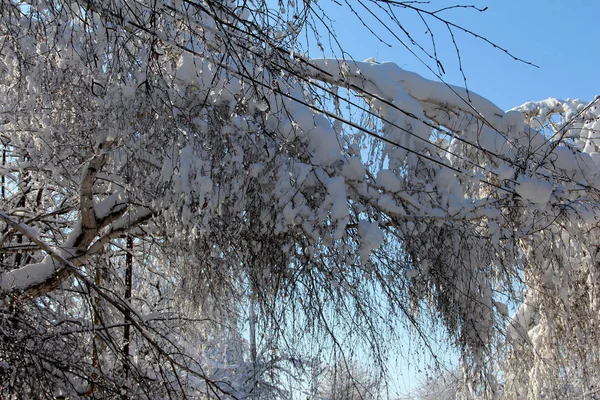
(354, 87)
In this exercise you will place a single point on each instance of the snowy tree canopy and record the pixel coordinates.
(168, 166)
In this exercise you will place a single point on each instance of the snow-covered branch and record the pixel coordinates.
(177, 157)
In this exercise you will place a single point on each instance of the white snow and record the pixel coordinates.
(564, 158)
(28, 276)
(388, 180)
(533, 190)
(371, 238)
(336, 189)
(354, 170)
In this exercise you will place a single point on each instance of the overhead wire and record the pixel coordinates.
(353, 124)
(388, 102)
(295, 57)
(438, 76)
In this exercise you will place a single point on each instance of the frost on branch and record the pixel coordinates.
(196, 179)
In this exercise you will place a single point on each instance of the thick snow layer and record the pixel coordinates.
(533, 190)
(354, 169)
(34, 274)
(388, 180)
(28, 276)
(564, 159)
(386, 76)
(504, 171)
(491, 140)
(336, 188)
(371, 238)
(323, 142)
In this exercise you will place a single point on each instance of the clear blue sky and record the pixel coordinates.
(559, 36)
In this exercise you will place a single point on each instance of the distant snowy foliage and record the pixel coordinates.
(447, 386)
(347, 381)
(177, 152)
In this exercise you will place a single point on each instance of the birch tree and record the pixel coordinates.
(167, 166)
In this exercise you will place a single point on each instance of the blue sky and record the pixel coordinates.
(557, 36)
